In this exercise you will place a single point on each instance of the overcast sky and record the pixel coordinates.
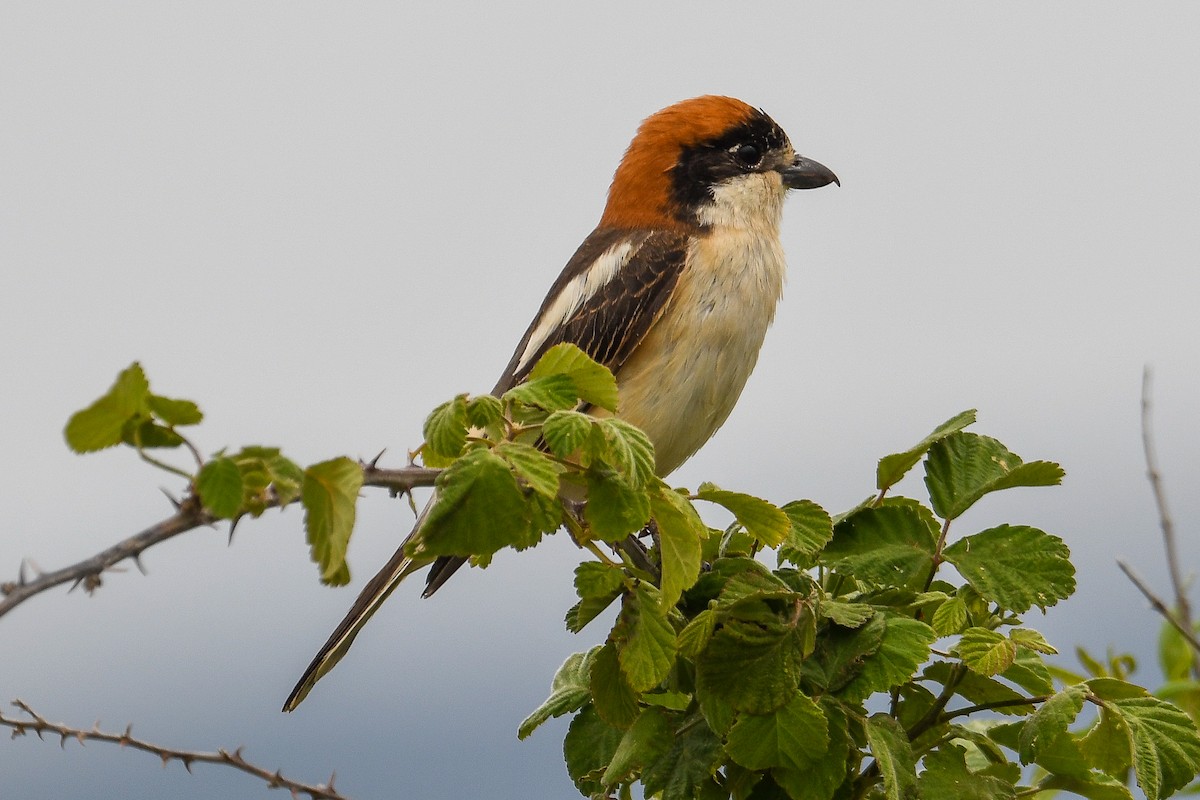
(321, 219)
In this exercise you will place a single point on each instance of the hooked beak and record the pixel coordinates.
(804, 173)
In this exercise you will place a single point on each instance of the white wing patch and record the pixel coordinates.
(578, 291)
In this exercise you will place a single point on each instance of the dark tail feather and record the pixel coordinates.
(441, 571)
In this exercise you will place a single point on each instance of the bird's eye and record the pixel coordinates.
(747, 154)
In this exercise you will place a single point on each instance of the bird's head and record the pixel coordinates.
(705, 162)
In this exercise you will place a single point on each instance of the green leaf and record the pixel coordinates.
(695, 635)
(1031, 639)
(848, 615)
(100, 425)
(145, 433)
(1093, 787)
(569, 691)
(950, 617)
(219, 485)
(821, 778)
(645, 742)
(811, 530)
(904, 647)
(1030, 673)
(594, 579)
(892, 468)
(840, 653)
(1166, 747)
(963, 467)
(615, 509)
(751, 666)
(532, 466)
(174, 412)
(588, 747)
(586, 610)
(549, 392)
(671, 701)
(446, 428)
(946, 776)
(691, 760)
(763, 521)
(792, 736)
(1108, 745)
(1050, 722)
(893, 753)
(629, 450)
(329, 495)
(594, 383)
(566, 431)
(985, 651)
(615, 701)
(680, 531)
(1015, 566)
(649, 652)
(485, 411)
(890, 545)
(479, 509)
(1175, 655)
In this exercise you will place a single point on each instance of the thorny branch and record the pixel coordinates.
(275, 780)
(189, 515)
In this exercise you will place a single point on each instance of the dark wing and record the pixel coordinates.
(608, 319)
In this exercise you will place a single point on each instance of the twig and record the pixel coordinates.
(1160, 606)
(1182, 607)
(188, 516)
(274, 780)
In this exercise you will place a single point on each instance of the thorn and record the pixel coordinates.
(374, 462)
(127, 734)
(233, 523)
(178, 505)
(166, 759)
(21, 577)
(332, 777)
(137, 562)
(276, 780)
(187, 763)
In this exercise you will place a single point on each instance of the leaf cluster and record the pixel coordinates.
(760, 683)
(224, 485)
(882, 655)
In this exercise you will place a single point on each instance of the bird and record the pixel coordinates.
(673, 291)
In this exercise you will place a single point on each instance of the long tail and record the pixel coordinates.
(398, 567)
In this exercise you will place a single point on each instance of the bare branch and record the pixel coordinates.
(40, 725)
(1181, 616)
(188, 516)
(1160, 606)
(1182, 607)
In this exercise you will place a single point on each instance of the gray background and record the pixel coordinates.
(322, 219)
